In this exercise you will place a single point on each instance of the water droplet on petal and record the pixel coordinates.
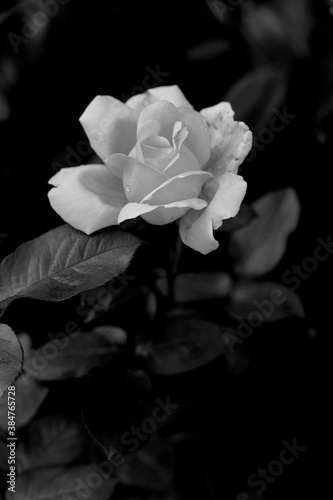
(128, 189)
(232, 182)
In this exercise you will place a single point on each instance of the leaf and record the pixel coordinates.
(72, 357)
(245, 215)
(63, 263)
(95, 303)
(128, 402)
(277, 31)
(150, 468)
(258, 247)
(197, 286)
(29, 395)
(208, 50)
(237, 354)
(182, 344)
(256, 94)
(60, 483)
(53, 440)
(272, 300)
(11, 357)
(113, 334)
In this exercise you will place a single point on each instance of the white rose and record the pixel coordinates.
(162, 161)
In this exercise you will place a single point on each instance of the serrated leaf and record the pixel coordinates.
(29, 395)
(272, 300)
(73, 359)
(64, 262)
(258, 247)
(182, 344)
(60, 483)
(51, 441)
(11, 357)
(190, 287)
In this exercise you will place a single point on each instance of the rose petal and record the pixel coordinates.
(110, 126)
(196, 228)
(163, 162)
(139, 179)
(116, 163)
(171, 93)
(185, 185)
(167, 114)
(148, 129)
(88, 198)
(230, 141)
(152, 152)
(184, 162)
(169, 212)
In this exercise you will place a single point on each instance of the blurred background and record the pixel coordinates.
(269, 58)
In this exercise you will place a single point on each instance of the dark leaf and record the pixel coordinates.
(258, 247)
(60, 483)
(207, 50)
(76, 356)
(182, 344)
(278, 30)
(63, 263)
(272, 300)
(114, 334)
(115, 400)
(11, 357)
(245, 215)
(150, 468)
(237, 354)
(190, 287)
(54, 440)
(256, 94)
(29, 396)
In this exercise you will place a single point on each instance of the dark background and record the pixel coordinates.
(261, 56)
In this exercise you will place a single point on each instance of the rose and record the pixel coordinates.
(162, 161)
